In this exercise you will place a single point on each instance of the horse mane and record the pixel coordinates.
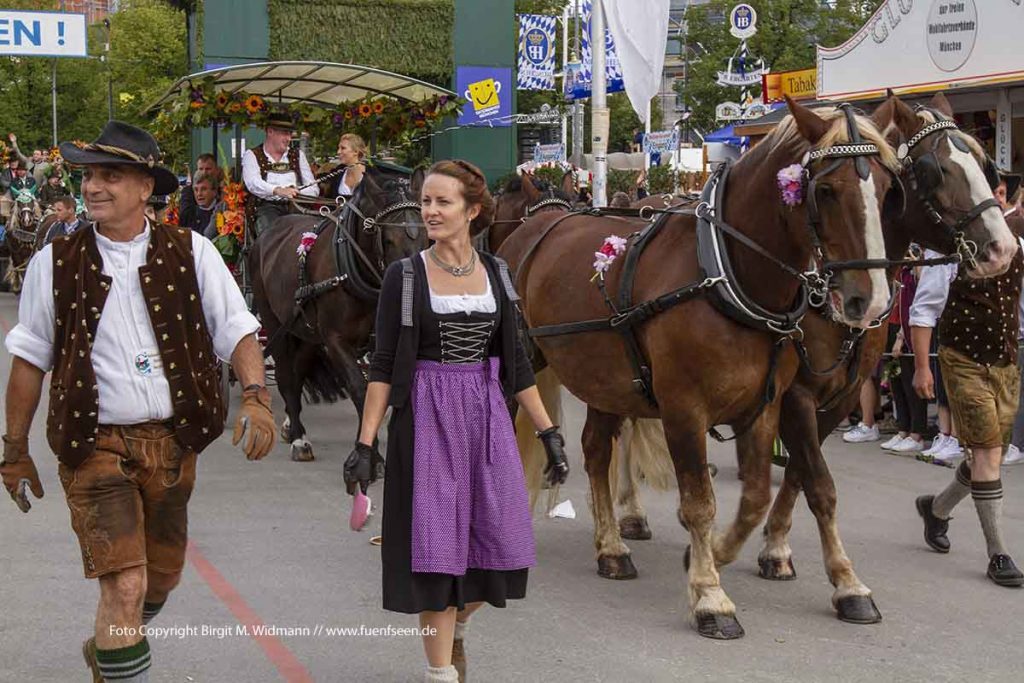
(786, 136)
(515, 184)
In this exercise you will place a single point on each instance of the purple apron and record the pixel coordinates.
(470, 507)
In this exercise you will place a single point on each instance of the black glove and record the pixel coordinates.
(557, 470)
(359, 467)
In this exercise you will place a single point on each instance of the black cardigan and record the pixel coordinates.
(397, 347)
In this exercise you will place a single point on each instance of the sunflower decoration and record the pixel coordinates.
(378, 107)
(233, 107)
(254, 104)
(348, 114)
(365, 110)
(222, 100)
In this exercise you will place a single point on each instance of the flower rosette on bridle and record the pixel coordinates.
(306, 243)
(791, 184)
(613, 247)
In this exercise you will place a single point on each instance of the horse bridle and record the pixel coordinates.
(550, 201)
(374, 224)
(926, 177)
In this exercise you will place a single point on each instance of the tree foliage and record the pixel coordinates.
(147, 41)
(787, 33)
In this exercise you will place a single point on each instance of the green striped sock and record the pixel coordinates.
(127, 664)
(150, 610)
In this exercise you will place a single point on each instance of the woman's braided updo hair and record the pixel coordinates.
(474, 189)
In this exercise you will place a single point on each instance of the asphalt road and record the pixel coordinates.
(270, 545)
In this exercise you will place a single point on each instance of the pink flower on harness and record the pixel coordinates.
(791, 183)
(306, 243)
(613, 247)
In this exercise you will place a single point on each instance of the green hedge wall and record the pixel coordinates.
(409, 37)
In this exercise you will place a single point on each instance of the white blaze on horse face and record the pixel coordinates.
(874, 243)
(998, 232)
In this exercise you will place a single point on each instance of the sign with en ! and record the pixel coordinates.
(42, 34)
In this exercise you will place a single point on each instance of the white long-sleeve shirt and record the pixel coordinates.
(264, 189)
(125, 356)
(932, 292)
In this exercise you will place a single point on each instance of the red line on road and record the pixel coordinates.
(280, 656)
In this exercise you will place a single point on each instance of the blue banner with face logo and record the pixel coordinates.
(488, 91)
(536, 52)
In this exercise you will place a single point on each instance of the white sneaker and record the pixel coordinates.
(896, 438)
(908, 446)
(1013, 456)
(949, 454)
(861, 434)
(938, 443)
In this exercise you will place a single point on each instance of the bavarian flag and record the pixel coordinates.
(536, 52)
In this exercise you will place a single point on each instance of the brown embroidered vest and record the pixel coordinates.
(981, 316)
(171, 289)
(267, 165)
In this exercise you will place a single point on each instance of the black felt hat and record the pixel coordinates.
(281, 121)
(123, 143)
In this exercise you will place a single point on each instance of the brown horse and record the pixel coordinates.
(319, 317)
(837, 359)
(522, 197)
(704, 368)
(816, 402)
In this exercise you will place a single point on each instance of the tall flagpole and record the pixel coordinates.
(599, 114)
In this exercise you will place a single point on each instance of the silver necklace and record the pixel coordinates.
(457, 271)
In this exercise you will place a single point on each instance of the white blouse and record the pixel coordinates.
(462, 303)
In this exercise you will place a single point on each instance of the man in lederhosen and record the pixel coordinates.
(131, 316)
(274, 171)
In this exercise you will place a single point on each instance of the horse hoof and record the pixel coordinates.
(858, 609)
(719, 626)
(686, 559)
(713, 469)
(302, 453)
(618, 567)
(776, 570)
(634, 529)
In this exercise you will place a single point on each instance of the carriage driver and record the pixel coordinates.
(274, 171)
(129, 315)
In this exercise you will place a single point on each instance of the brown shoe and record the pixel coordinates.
(89, 652)
(459, 658)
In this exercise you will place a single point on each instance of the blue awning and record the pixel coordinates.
(726, 135)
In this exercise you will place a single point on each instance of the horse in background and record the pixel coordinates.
(20, 238)
(318, 309)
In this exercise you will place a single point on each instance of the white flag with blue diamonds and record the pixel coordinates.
(536, 52)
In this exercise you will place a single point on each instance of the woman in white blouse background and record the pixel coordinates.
(351, 153)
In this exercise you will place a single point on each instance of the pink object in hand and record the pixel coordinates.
(360, 510)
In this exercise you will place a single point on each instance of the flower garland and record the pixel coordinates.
(393, 120)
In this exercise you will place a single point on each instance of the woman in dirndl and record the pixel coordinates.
(456, 530)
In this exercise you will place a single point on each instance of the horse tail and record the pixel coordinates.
(321, 383)
(531, 450)
(646, 451)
